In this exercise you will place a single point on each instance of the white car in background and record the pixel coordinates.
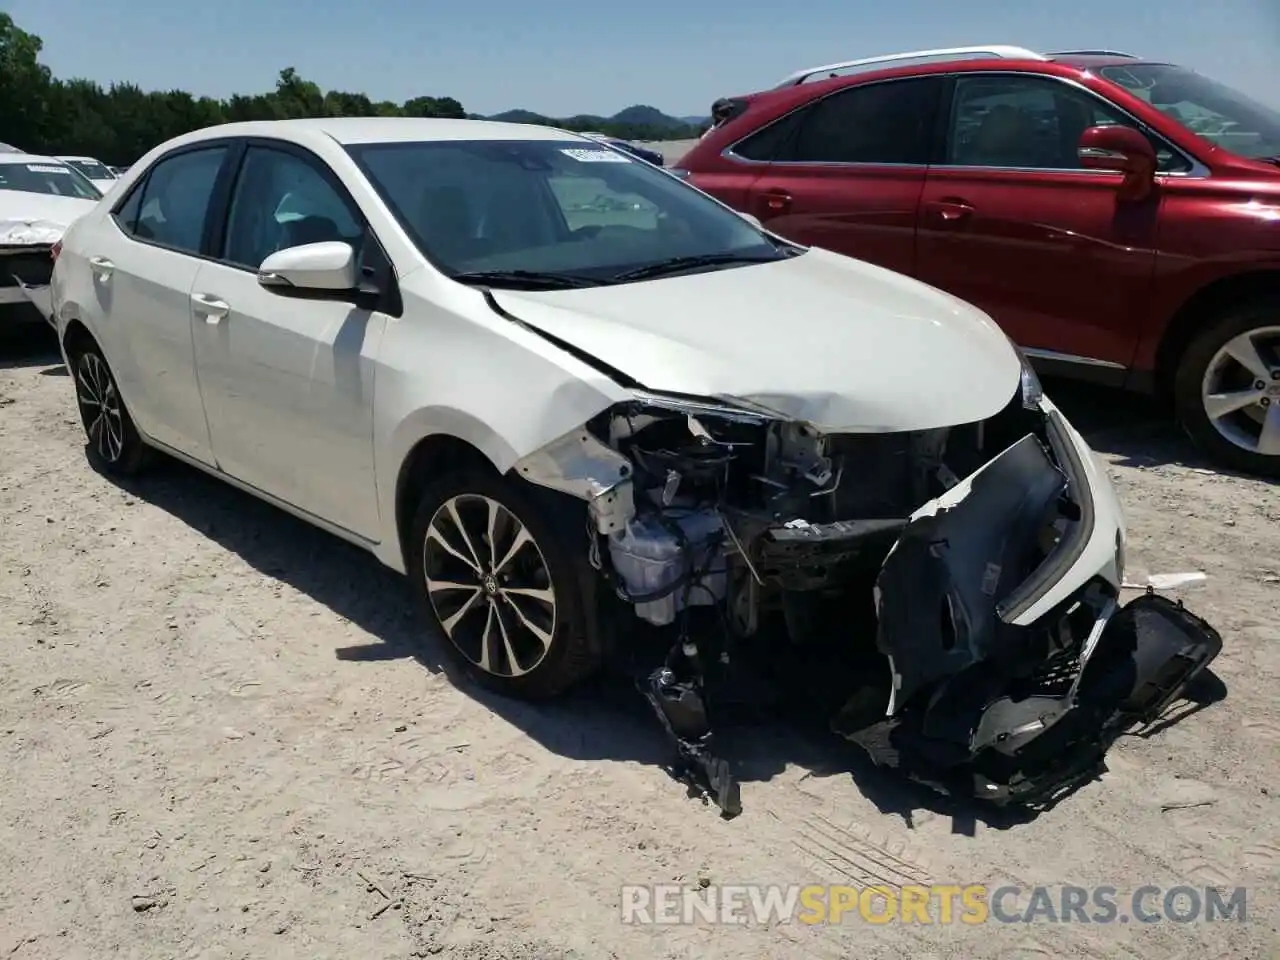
(39, 198)
(583, 427)
(97, 172)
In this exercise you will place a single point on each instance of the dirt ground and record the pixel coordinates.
(217, 744)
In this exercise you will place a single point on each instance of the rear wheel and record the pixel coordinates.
(1227, 388)
(493, 573)
(114, 446)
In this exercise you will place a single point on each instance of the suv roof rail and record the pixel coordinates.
(1094, 53)
(993, 51)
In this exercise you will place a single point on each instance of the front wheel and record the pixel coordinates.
(1227, 388)
(493, 573)
(114, 446)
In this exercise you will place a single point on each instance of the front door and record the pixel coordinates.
(849, 178)
(288, 380)
(1011, 222)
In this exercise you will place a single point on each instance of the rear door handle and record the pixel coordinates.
(950, 209)
(210, 307)
(101, 266)
(776, 201)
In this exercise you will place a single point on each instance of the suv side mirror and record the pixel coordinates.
(1122, 150)
(328, 267)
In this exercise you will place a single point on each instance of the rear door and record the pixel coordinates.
(850, 170)
(144, 258)
(1012, 223)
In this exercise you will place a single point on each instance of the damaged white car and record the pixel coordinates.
(598, 417)
(39, 198)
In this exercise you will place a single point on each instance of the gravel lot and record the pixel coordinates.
(220, 742)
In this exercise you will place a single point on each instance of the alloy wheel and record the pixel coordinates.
(1241, 391)
(489, 585)
(100, 406)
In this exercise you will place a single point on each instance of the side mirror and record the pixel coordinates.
(1121, 150)
(328, 266)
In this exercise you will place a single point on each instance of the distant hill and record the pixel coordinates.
(638, 122)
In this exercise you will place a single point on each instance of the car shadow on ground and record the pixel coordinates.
(607, 718)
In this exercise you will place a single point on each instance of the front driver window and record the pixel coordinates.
(282, 200)
(1030, 123)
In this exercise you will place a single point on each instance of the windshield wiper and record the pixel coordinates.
(676, 264)
(526, 279)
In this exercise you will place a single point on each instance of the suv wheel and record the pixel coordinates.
(505, 590)
(1227, 388)
(114, 446)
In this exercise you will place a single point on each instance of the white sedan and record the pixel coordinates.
(564, 391)
(39, 199)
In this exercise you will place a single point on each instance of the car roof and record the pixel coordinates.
(29, 158)
(354, 130)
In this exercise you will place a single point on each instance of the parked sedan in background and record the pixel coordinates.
(1117, 217)
(102, 176)
(39, 198)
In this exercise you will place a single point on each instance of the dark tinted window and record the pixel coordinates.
(888, 122)
(176, 196)
(771, 142)
(127, 213)
(283, 200)
(1030, 122)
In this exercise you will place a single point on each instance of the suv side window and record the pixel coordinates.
(174, 200)
(772, 141)
(283, 200)
(1029, 122)
(888, 122)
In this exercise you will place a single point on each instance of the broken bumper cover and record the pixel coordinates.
(25, 278)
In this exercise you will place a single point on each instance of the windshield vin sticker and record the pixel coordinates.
(595, 156)
(44, 168)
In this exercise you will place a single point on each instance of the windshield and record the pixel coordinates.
(1216, 112)
(57, 179)
(553, 207)
(92, 169)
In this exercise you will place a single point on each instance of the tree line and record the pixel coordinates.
(118, 123)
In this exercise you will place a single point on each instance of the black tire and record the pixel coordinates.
(571, 655)
(1193, 365)
(113, 445)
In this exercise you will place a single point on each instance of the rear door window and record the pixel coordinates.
(878, 123)
(174, 201)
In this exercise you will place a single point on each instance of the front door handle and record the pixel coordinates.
(101, 266)
(210, 307)
(950, 209)
(776, 201)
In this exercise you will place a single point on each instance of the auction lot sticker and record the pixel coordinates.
(595, 156)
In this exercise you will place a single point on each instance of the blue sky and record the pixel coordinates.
(573, 56)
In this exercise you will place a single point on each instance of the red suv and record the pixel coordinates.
(1119, 218)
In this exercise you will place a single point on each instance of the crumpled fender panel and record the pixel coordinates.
(939, 587)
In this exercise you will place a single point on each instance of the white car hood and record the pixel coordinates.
(37, 218)
(839, 343)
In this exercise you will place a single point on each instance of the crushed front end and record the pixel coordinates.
(951, 596)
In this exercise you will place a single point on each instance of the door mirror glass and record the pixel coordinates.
(330, 265)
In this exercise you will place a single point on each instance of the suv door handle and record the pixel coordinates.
(950, 209)
(102, 266)
(776, 201)
(210, 307)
